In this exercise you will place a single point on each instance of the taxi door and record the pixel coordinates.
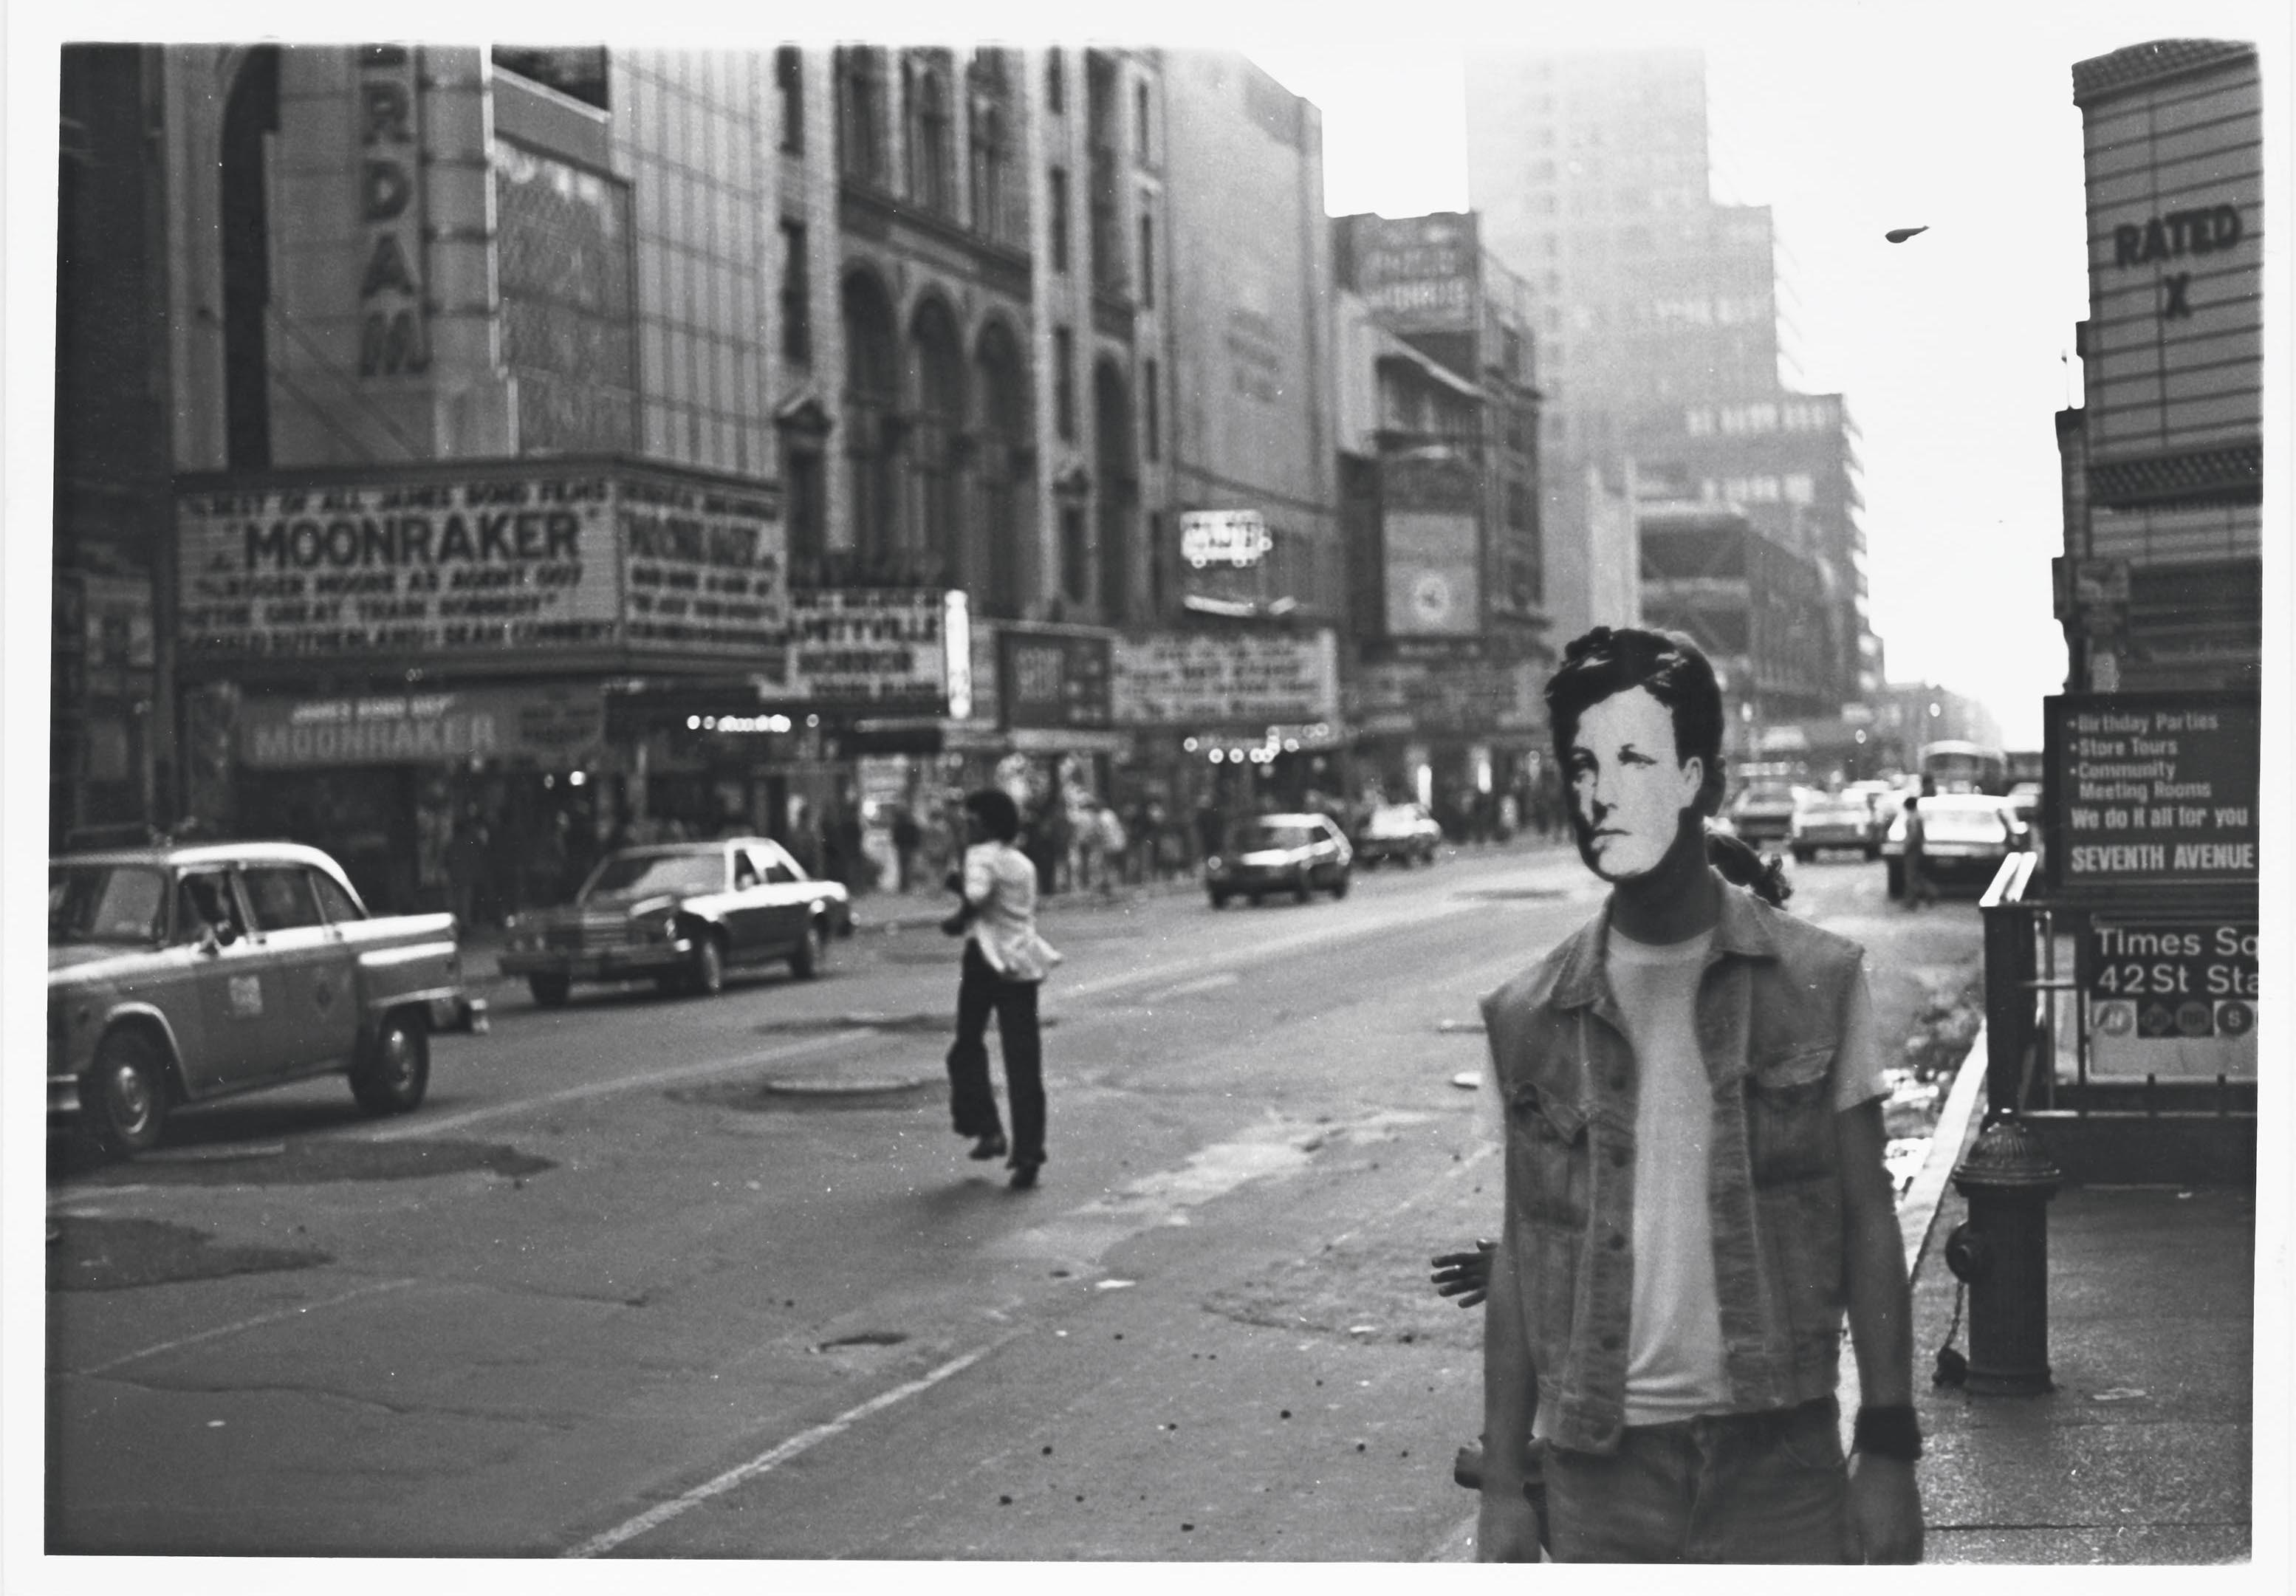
(316, 1017)
(237, 991)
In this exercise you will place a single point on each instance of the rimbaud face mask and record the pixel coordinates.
(1627, 787)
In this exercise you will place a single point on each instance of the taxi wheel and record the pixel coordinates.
(1340, 887)
(1304, 889)
(550, 991)
(1219, 898)
(396, 1072)
(706, 976)
(810, 954)
(124, 1098)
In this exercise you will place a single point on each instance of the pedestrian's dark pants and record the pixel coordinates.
(972, 1103)
(1739, 1488)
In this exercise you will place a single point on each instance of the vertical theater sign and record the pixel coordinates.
(392, 335)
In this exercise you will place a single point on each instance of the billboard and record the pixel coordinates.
(1432, 530)
(2151, 789)
(1056, 678)
(891, 650)
(1418, 274)
(1197, 680)
(550, 725)
(507, 564)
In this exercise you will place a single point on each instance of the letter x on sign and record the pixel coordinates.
(2178, 305)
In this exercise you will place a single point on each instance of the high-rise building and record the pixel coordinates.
(1664, 357)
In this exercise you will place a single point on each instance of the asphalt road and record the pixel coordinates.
(658, 1277)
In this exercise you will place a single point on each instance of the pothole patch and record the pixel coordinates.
(115, 1255)
(869, 1338)
(810, 1095)
(318, 1162)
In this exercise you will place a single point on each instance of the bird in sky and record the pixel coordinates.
(1898, 235)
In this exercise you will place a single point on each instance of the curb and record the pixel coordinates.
(1957, 1126)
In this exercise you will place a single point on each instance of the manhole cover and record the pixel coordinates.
(810, 1095)
(316, 1162)
(114, 1255)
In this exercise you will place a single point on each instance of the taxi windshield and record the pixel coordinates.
(106, 903)
(647, 875)
(1264, 834)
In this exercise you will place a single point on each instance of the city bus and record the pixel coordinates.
(1954, 766)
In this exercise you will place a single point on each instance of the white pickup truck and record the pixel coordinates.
(180, 974)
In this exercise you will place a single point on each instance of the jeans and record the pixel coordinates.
(1738, 1488)
(972, 1103)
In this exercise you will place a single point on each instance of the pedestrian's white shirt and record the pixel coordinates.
(1675, 1367)
(1000, 884)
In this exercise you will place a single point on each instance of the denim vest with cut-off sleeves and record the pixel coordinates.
(1771, 1004)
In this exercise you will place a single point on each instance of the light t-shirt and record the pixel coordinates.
(1674, 1366)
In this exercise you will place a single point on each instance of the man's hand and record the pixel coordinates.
(1885, 1510)
(1506, 1529)
(1465, 1275)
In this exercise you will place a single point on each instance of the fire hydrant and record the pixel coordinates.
(2001, 1252)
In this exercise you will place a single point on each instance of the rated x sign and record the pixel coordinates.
(2176, 283)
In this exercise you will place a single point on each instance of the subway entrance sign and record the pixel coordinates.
(2150, 792)
(2169, 997)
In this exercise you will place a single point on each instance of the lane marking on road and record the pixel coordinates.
(429, 1127)
(257, 1322)
(1210, 983)
(804, 1441)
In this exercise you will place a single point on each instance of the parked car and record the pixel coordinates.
(1836, 820)
(180, 974)
(1400, 832)
(1763, 812)
(1298, 854)
(681, 914)
(1965, 835)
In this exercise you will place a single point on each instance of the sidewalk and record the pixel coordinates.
(2141, 1455)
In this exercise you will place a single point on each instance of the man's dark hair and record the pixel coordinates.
(997, 812)
(1614, 659)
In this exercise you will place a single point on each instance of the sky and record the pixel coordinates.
(1953, 349)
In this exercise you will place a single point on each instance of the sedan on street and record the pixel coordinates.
(1763, 812)
(1964, 835)
(1297, 854)
(1836, 820)
(1403, 832)
(681, 914)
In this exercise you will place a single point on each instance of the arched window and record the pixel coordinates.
(252, 111)
(1116, 476)
(938, 450)
(872, 398)
(1006, 476)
